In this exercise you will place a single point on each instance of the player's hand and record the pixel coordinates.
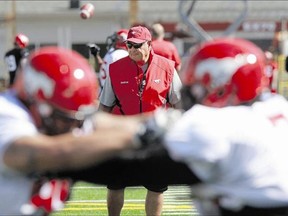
(152, 131)
(94, 49)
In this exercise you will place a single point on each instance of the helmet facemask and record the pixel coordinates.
(54, 121)
(192, 95)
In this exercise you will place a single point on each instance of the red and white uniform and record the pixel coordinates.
(111, 56)
(239, 152)
(271, 71)
(17, 196)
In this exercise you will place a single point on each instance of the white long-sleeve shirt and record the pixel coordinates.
(111, 56)
(17, 196)
(15, 187)
(239, 152)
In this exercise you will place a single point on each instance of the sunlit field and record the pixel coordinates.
(88, 199)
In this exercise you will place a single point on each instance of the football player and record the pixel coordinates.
(48, 124)
(116, 49)
(14, 56)
(229, 144)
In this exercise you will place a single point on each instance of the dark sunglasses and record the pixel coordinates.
(136, 46)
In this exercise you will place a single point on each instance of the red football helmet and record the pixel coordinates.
(223, 72)
(121, 38)
(61, 84)
(21, 40)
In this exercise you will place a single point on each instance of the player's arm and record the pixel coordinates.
(107, 97)
(95, 52)
(156, 169)
(150, 163)
(174, 96)
(178, 67)
(41, 153)
(176, 58)
(104, 108)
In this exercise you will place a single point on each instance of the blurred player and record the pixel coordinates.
(116, 49)
(15, 55)
(271, 71)
(232, 137)
(54, 95)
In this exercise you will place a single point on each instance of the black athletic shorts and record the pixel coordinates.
(154, 173)
(153, 188)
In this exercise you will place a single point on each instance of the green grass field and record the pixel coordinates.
(88, 199)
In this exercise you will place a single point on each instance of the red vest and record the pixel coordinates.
(136, 92)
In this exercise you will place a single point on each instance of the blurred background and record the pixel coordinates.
(59, 23)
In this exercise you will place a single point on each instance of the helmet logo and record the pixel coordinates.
(36, 81)
(220, 70)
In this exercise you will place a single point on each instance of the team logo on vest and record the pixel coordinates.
(157, 81)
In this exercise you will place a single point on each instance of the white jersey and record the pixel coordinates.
(111, 56)
(15, 187)
(239, 153)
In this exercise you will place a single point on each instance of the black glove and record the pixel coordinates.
(94, 49)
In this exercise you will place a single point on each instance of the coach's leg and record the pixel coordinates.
(154, 199)
(154, 203)
(115, 201)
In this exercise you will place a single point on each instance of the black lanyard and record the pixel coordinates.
(141, 86)
(142, 81)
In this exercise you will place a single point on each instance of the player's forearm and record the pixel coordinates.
(156, 169)
(66, 152)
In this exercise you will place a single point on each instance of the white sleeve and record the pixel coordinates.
(174, 92)
(197, 142)
(118, 54)
(107, 96)
(10, 130)
(104, 69)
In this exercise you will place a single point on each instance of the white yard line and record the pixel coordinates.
(177, 200)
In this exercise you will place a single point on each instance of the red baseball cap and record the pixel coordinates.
(139, 34)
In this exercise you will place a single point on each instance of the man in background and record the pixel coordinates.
(163, 47)
(139, 83)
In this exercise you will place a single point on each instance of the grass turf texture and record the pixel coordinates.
(88, 199)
